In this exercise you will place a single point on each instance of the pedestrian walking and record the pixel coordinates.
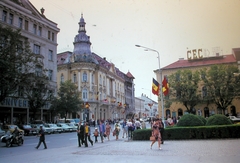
(87, 133)
(156, 133)
(108, 130)
(102, 130)
(96, 133)
(161, 129)
(80, 134)
(131, 128)
(117, 130)
(41, 138)
(137, 124)
(143, 125)
(125, 128)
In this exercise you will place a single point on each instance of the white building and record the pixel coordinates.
(42, 36)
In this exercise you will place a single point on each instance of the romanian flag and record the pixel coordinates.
(165, 87)
(155, 87)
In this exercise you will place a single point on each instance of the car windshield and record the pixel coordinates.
(27, 126)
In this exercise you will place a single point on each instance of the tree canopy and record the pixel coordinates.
(15, 59)
(68, 100)
(218, 84)
(221, 84)
(184, 88)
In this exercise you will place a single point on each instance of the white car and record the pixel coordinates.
(55, 128)
(73, 126)
(65, 127)
(234, 119)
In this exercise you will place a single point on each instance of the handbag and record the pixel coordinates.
(114, 133)
(152, 138)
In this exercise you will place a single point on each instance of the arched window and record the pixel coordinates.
(180, 112)
(74, 78)
(84, 94)
(103, 81)
(100, 79)
(62, 78)
(84, 77)
(93, 80)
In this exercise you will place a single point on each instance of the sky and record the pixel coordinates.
(171, 27)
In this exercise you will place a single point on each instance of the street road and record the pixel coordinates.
(63, 148)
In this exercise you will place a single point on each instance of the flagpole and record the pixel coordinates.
(160, 73)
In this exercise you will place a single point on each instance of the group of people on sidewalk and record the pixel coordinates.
(104, 131)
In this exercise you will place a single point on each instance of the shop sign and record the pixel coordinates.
(19, 103)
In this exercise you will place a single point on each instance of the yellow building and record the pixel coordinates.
(108, 91)
(194, 62)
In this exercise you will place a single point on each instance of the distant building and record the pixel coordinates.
(193, 63)
(41, 33)
(109, 91)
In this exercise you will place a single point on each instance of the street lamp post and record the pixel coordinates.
(160, 73)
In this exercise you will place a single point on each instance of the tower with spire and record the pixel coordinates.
(82, 51)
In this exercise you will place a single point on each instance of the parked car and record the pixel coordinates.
(28, 130)
(45, 128)
(11, 128)
(65, 127)
(234, 119)
(56, 129)
(74, 126)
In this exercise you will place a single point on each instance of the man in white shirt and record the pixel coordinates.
(137, 124)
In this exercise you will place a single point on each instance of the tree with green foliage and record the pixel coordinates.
(68, 100)
(38, 91)
(184, 88)
(222, 85)
(15, 59)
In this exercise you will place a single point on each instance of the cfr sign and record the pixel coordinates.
(194, 54)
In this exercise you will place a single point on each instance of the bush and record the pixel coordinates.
(202, 119)
(218, 119)
(190, 120)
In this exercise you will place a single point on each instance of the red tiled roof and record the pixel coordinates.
(130, 75)
(181, 63)
(61, 57)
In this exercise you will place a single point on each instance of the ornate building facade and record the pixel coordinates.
(197, 62)
(41, 33)
(108, 91)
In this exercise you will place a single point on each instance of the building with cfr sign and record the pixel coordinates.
(108, 92)
(195, 61)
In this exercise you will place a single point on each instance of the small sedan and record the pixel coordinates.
(56, 129)
(45, 128)
(65, 127)
(28, 130)
(73, 126)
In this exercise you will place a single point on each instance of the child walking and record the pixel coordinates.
(96, 133)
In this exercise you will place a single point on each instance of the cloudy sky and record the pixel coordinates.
(169, 26)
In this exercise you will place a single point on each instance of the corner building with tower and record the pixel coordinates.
(107, 92)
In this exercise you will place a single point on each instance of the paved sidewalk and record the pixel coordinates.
(123, 151)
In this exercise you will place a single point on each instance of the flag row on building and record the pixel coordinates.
(156, 87)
